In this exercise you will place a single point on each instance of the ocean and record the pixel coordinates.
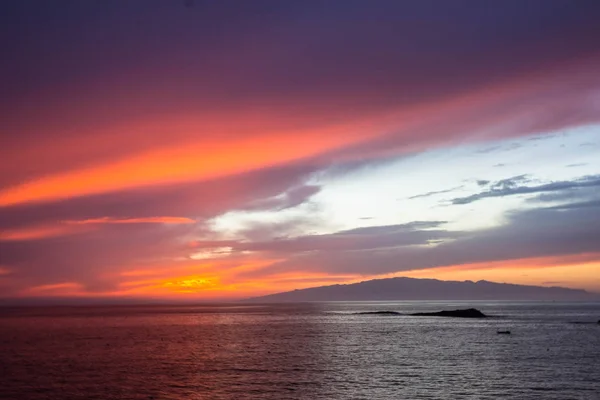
(301, 351)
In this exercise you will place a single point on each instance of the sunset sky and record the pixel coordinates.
(225, 149)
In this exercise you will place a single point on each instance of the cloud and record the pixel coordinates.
(546, 232)
(584, 204)
(148, 220)
(415, 233)
(509, 183)
(542, 137)
(266, 237)
(290, 199)
(435, 192)
(576, 165)
(509, 147)
(164, 114)
(512, 186)
(488, 150)
(72, 227)
(74, 241)
(38, 232)
(139, 130)
(93, 256)
(200, 200)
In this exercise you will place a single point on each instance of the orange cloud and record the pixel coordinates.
(150, 220)
(39, 232)
(60, 289)
(184, 162)
(72, 227)
(139, 155)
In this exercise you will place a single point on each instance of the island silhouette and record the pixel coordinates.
(462, 313)
(428, 289)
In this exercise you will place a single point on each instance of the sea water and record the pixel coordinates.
(301, 351)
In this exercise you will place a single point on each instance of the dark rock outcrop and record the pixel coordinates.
(466, 313)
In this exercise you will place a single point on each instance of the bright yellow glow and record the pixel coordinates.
(226, 279)
(192, 284)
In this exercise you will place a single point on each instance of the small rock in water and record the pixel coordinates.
(466, 313)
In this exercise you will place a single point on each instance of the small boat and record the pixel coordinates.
(503, 332)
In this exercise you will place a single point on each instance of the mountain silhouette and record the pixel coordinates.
(427, 289)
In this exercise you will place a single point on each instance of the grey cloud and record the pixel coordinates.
(429, 194)
(259, 237)
(411, 226)
(488, 150)
(576, 165)
(290, 199)
(509, 183)
(584, 204)
(530, 233)
(567, 198)
(491, 149)
(414, 233)
(259, 231)
(542, 137)
(513, 146)
(510, 187)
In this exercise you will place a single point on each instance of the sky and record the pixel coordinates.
(207, 150)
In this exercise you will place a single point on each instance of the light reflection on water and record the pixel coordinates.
(303, 351)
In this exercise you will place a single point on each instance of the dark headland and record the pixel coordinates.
(428, 289)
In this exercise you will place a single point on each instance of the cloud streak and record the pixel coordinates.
(149, 220)
(511, 187)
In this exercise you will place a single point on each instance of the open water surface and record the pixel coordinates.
(301, 351)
